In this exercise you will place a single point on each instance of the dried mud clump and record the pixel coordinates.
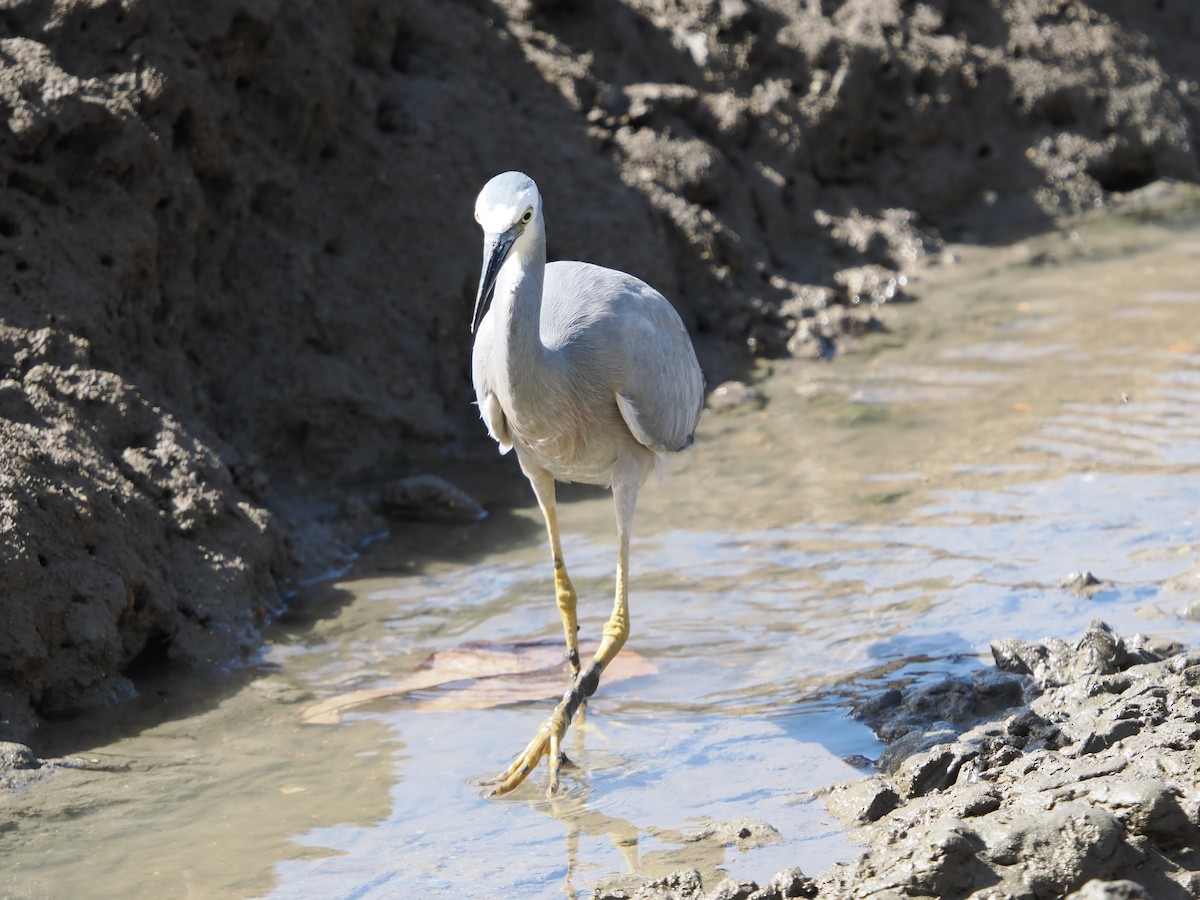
(237, 255)
(1090, 781)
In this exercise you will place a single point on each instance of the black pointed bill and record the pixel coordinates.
(495, 252)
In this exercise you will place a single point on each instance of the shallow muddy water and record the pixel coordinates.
(881, 520)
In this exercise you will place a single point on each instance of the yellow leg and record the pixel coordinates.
(548, 741)
(564, 591)
(616, 629)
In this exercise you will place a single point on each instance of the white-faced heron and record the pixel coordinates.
(589, 374)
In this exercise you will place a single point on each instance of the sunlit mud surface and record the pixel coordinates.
(881, 520)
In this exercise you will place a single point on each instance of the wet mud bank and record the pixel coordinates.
(1069, 770)
(236, 249)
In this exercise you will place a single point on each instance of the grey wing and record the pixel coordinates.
(664, 390)
(647, 357)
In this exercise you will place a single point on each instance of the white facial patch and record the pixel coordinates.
(495, 218)
(504, 200)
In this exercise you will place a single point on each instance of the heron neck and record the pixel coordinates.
(520, 295)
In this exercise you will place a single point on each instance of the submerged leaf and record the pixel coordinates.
(480, 676)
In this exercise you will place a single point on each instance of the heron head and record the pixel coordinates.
(506, 206)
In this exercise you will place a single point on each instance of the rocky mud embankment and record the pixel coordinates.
(1068, 771)
(237, 255)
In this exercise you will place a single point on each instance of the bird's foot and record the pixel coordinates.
(548, 740)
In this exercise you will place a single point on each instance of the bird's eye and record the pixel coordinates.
(476, 215)
(528, 215)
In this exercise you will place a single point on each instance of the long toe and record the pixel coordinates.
(545, 743)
